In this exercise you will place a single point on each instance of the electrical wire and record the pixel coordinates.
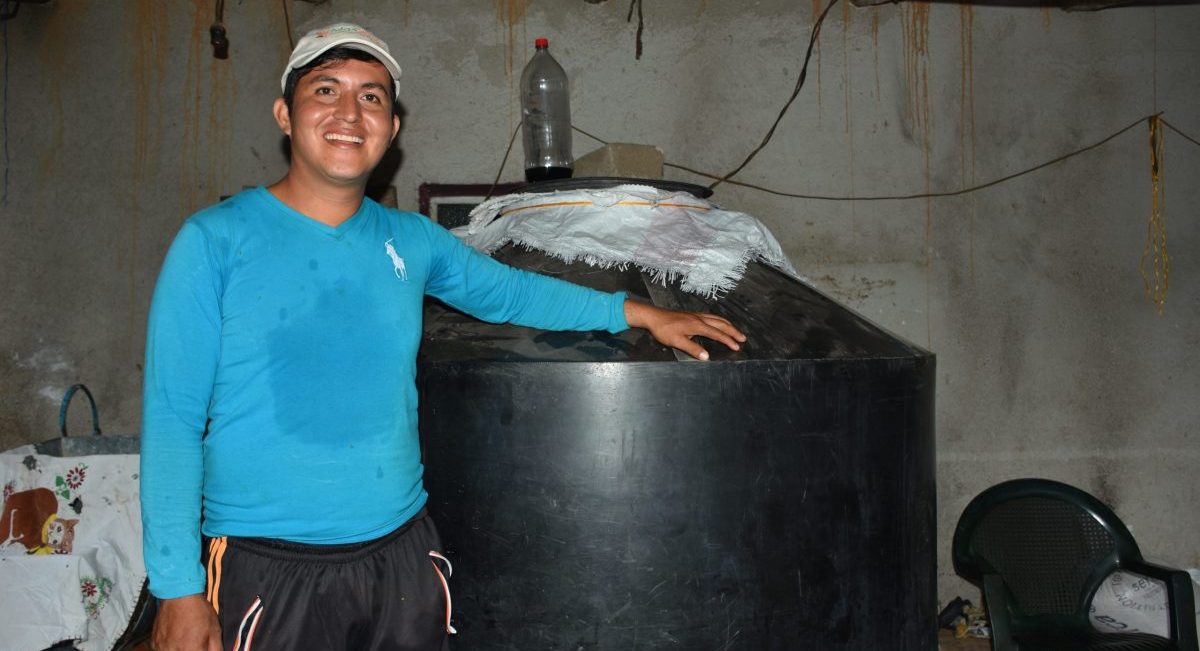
(795, 92)
(640, 27)
(923, 195)
(287, 24)
(955, 193)
(503, 162)
(812, 41)
(895, 197)
(1184, 135)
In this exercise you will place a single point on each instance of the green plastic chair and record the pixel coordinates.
(1040, 550)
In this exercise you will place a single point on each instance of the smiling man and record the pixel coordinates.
(280, 406)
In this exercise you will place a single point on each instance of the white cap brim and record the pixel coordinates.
(320, 41)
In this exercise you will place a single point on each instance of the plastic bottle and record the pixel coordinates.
(545, 117)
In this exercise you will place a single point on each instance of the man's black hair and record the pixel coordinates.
(334, 54)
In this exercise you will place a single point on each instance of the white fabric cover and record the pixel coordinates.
(88, 595)
(667, 234)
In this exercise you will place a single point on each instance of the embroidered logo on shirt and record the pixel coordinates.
(397, 261)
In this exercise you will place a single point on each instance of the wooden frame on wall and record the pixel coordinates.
(450, 204)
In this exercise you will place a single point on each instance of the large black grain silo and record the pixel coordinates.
(596, 492)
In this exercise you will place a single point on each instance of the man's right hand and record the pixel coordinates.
(186, 624)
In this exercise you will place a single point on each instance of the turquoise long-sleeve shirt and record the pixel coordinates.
(280, 363)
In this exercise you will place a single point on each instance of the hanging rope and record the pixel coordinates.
(496, 181)
(1156, 278)
(812, 42)
(640, 27)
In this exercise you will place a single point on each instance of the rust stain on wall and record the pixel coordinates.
(276, 23)
(190, 134)
(846, 61)
(817, 56)
(875, 46)
(59, 28)
(915, 21)
(511, 13)
(206, 130)
(149, 39)
(966, 129)
(220, 128)
(511, 16)
(817, 7)
(847, 95)
(1046, 17)
(149, 69)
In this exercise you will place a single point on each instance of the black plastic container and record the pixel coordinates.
(596, 492)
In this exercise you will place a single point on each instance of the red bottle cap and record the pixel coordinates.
(541, 42)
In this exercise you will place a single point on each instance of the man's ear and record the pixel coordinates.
(395, 126)
(283, 117)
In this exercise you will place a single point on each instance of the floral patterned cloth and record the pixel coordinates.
(83, 583)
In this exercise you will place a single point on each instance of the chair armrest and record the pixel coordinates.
(1181, 604)
(996, 597)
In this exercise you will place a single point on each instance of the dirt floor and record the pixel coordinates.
(946, 642)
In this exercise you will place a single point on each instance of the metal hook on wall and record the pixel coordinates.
(217, 35)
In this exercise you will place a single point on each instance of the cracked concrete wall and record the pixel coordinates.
(118, 123)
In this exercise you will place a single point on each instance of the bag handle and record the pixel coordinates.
(66, 402)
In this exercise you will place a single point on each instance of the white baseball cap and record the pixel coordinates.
(319, 41)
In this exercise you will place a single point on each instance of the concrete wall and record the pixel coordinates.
(118, 123)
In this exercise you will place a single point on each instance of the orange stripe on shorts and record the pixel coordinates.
(216, 553)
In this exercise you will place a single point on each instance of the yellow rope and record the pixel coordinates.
(558, 204)
(1157, 278)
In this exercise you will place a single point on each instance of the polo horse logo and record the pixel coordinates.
(397, 261)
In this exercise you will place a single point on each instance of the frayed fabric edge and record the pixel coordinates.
(727, 281)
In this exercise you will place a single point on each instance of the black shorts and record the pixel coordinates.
(388, 593)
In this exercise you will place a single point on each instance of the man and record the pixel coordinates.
(279, 389)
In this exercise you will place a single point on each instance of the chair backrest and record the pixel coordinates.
(1051, 544)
